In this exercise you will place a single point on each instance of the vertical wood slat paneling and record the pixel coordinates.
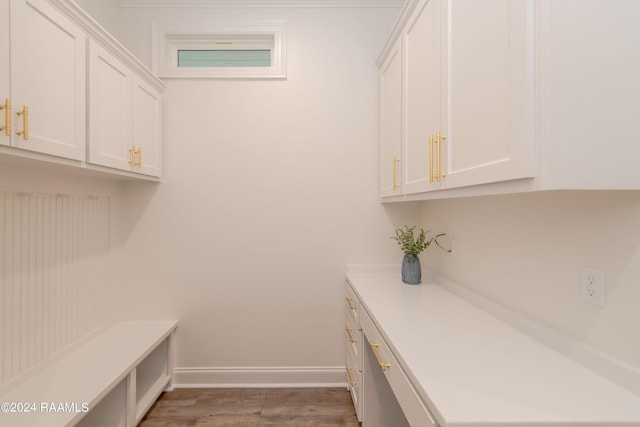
(54, 269)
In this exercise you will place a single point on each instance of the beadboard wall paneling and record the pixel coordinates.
(54, 275)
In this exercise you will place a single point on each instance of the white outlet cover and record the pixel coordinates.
(593, 286)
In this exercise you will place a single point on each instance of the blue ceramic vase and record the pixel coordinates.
(411, 271)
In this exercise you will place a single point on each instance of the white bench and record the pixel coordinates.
(110, 380)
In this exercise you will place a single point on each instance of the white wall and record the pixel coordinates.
(269, 190)
(527, 251)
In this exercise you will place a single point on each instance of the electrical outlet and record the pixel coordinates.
(592, 286)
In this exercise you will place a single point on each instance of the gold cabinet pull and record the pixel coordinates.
(139, 157)
(7, 117)
(352, 382)
(350, 304)
(132, 156)
(439, 138)
(25, 123)
(395, 173)
(430, 158)
(374, 347)
(350, 334)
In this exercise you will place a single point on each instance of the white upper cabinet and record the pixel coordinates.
(517, 95)
(71, 94)
(47, 84)
(124, 116)
(391, 122)
(589, 96)
(467, 93)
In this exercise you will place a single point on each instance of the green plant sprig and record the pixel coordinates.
(408, 242)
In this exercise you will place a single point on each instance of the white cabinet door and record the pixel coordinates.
(47, 77)
(423, 97)
(110, 102)
(124, 116)
(146, 127)
(5, 94)
(590, 93)
(488, 115)
(391, 122)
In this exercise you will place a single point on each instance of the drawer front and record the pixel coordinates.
(414, 409)
(354, 378)
(353, 305)
(353, 336)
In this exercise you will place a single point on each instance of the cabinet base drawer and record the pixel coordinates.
(412, 405)
(353, 336)
(354, 378)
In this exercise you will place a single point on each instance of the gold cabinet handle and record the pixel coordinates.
(350, 334)
(139, 157)
(25, 123)
(439, 138)
(352, 382)
(374, 347)
(350, 304)
(7, 117)
(132, 156)
(396, 160)
(430, 158)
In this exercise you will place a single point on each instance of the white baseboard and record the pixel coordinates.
(244, 377)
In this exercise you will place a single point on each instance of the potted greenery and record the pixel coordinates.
(411, 246)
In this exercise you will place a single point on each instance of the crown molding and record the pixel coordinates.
(262, 3)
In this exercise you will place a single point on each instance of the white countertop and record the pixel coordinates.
(472, 369)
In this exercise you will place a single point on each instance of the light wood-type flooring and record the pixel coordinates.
(252, 407)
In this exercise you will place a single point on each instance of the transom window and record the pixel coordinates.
(238, 52)
(224, 58)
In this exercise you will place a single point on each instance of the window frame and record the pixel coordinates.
(168, 39)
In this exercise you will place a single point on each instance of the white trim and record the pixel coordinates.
(245, 377)
(263, 3)
(163, 36)
(106, 40)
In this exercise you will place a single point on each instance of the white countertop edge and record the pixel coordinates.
(617, 371)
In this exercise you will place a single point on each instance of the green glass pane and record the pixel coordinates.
(224, 58)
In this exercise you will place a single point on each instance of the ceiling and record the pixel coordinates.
(260, 3)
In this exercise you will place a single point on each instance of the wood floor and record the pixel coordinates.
(252, 407)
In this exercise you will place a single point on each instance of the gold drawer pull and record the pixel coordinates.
(138, 153)
(351, 338)
(352, 383)
(431, 142)
(439, 138)
(395, 173)
(7, 117)
(25, 123)
(351, 306)
(132, 156)
(374, 347)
